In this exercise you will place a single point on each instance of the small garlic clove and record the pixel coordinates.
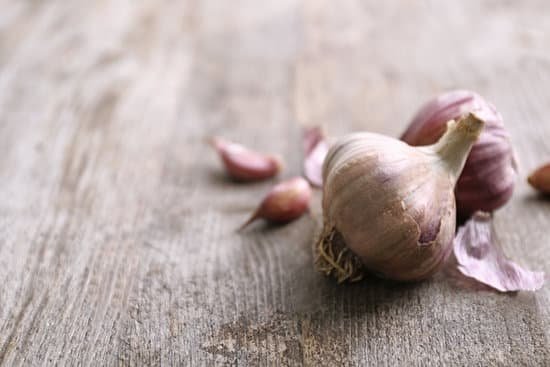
(285, 202)
(315, 151)
(243, 164)
(479, 256)
(540, 179)
(488, 179)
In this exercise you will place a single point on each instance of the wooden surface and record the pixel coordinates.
(117, 241)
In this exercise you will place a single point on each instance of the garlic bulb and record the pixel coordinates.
(488, 179)
(391, 204)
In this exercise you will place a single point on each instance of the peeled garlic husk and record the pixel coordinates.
(488, 179)
(479, 256)
(389, 207)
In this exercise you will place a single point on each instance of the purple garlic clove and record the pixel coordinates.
(488, 179)
(285, 202)
(540, 179)
(243, 164)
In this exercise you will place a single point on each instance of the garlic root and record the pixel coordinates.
(333, 258)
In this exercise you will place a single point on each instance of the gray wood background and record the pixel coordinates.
(117, 242)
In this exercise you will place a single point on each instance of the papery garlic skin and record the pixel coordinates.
(488, 179)
(479, 256)
(393, 204)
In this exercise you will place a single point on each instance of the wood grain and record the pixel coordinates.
(117, 241)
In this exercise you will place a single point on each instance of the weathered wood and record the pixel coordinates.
(117, 241)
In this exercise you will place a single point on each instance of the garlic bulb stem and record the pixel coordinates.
(455, 145)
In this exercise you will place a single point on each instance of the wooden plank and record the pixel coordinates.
(117, 241)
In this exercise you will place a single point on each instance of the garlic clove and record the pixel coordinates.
(285, 202)
(315, 150)
(243, 164)
(480, 257)
(488, 179)
(540, 179)
(391, 205)
(429, 123)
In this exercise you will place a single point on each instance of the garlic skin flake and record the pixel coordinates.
(488, 179)
(390, 204)
(480, 257)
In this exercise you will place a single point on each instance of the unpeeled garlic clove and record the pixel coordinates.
(315, 150)
(285, 202)
(540, 179)
(243, 164)
(480, 257)
(488, 179)
(391, 205)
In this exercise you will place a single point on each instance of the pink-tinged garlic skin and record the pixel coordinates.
(479, 256)
(488, 179)
(285, 202)
(394, 204)
(243, 164)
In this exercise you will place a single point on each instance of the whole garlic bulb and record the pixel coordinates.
(391, 204)
(488, 179)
